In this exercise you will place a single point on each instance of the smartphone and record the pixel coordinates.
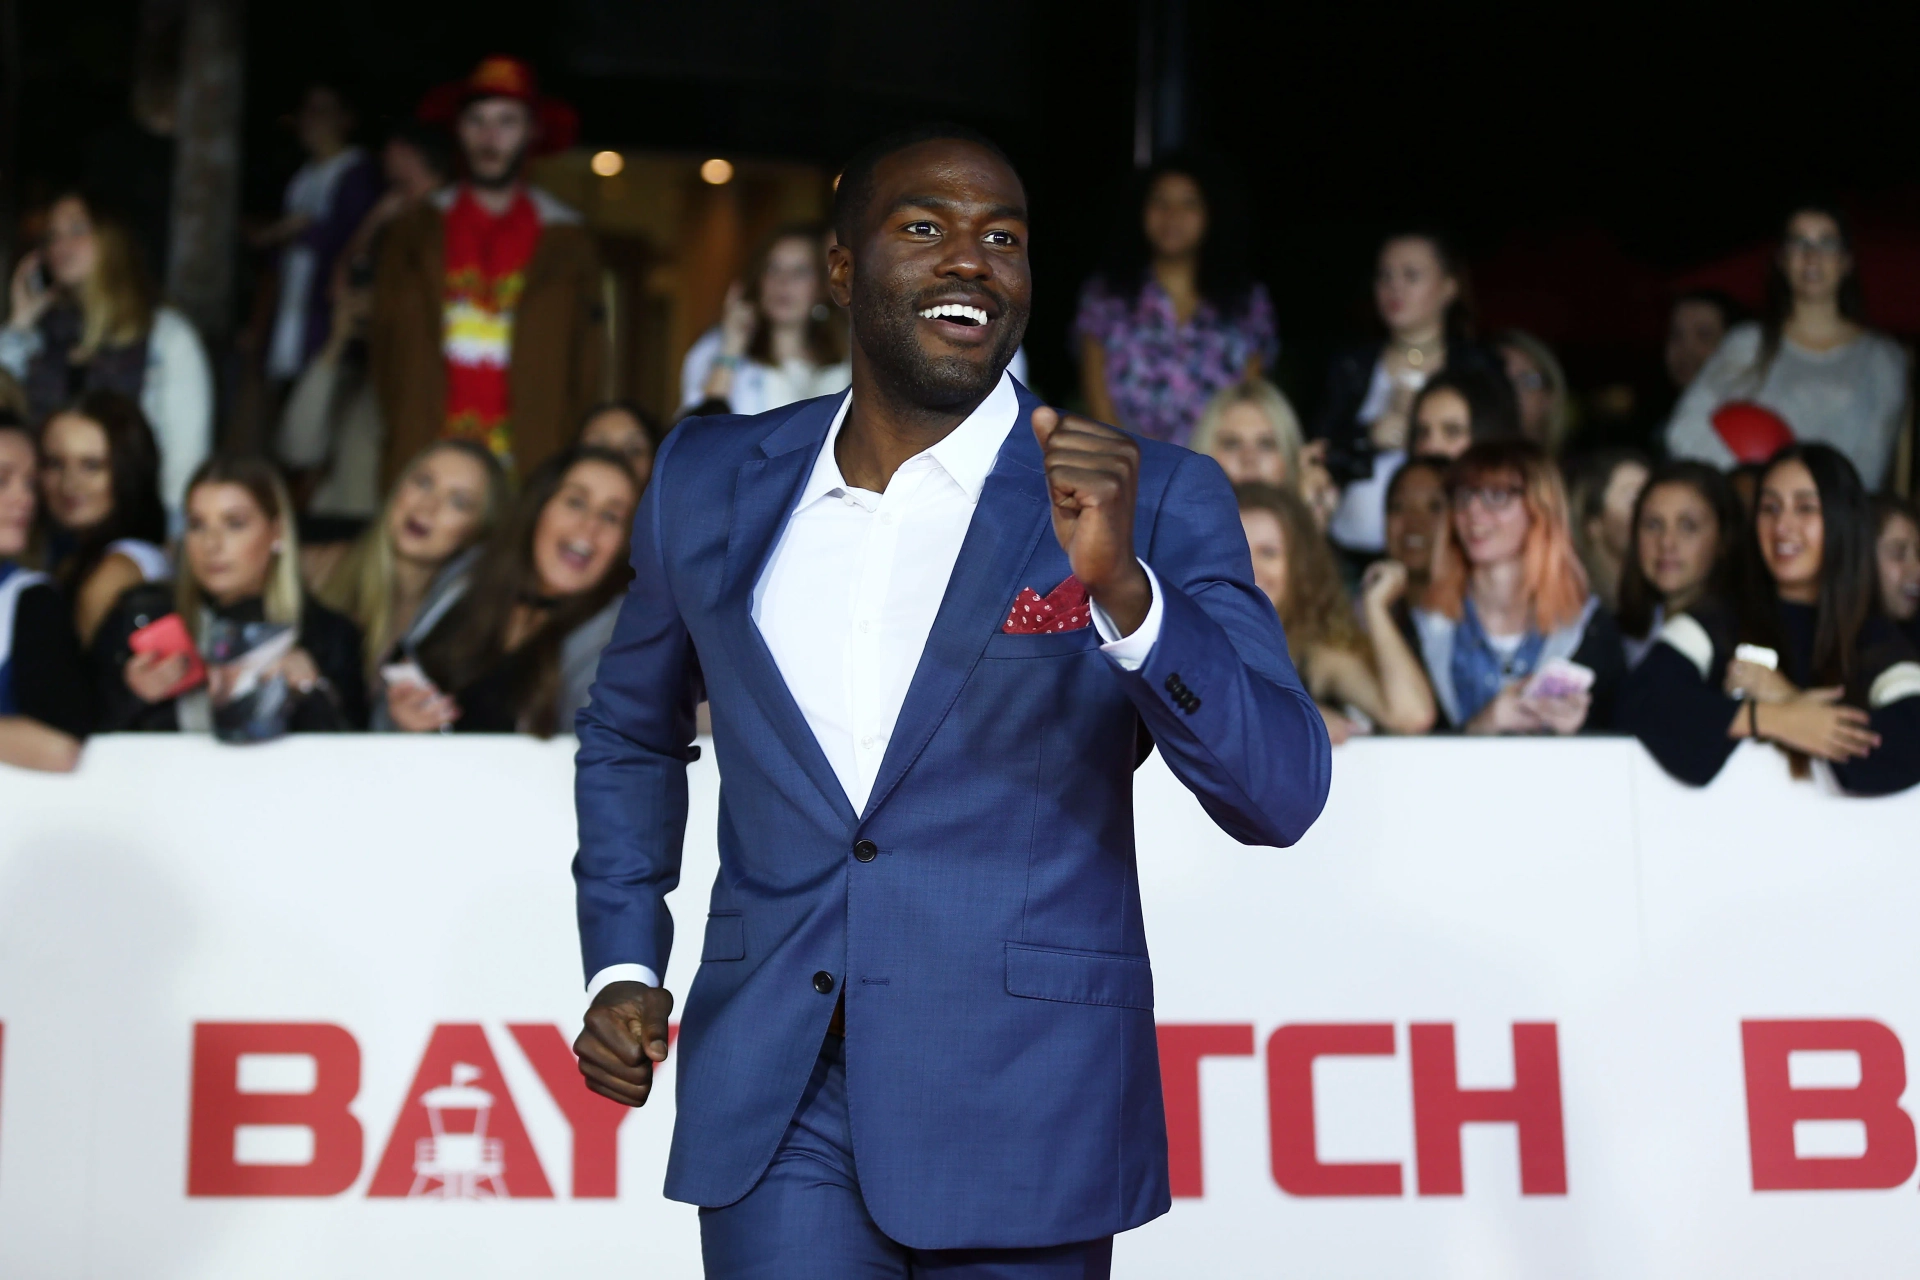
(167, 637)
(1758, 654)
(404, 673)
(1558, 678)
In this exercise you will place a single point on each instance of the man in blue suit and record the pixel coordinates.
(938, 626)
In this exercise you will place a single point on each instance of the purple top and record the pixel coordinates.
(1161, 373)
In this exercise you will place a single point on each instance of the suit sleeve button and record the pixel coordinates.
(823, 983)
(866, 850)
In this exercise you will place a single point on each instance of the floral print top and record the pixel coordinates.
(1161, 373)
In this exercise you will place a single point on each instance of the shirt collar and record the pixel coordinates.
(966, 454)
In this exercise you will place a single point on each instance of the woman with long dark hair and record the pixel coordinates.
(1829, 675)
(85, 318)
(517, 651)
(1811, 358)
(778, 339)
(1687, 529)
(1897, 553)
(1425, 305)
(1458, 408)
(1173, 317)
(100, 480)
(45, 702)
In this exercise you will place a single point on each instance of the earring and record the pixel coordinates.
(820, 311)
(276, 546)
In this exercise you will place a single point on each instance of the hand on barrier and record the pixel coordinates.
(420, 708)
(1817, 723)
(624, 1035)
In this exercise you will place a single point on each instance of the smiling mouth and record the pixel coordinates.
(957, 313)
(576, 555)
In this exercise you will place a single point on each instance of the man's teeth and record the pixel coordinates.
(955, 311)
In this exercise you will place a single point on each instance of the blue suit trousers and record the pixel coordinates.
(805, 1219)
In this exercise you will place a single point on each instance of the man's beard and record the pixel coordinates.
(886, 331)
(506, 177)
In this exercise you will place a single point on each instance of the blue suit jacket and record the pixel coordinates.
(1002, 1070)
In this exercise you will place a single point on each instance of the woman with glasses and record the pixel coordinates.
(1811, 359)
(1509, 598)
(1805, 659)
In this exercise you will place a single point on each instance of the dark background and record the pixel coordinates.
(1546, 141)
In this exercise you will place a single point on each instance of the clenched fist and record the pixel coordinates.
(1093, 477)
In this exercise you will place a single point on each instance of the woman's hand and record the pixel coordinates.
(1763, 684)
(153, 677)
(1563, 715)
(420, 708)
(30, 297)
(1384, 582)
(1316, 484)
(298, 667)
(737, 320)
(1339, 728)
(1817, 723)
(1508, 713)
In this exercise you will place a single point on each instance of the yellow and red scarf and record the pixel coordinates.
(486, 265)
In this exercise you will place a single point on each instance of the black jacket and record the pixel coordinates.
(329, 639)
(1349, 445)
(1682, 713)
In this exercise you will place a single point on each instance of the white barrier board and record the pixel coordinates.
(1513, 1009)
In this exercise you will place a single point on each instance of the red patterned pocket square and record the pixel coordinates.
(1065, 608)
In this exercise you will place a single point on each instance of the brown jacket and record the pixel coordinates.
(559, 335)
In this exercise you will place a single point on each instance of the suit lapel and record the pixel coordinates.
(764, 492)
(1006, 525)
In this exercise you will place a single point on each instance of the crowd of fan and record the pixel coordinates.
(1441, 555)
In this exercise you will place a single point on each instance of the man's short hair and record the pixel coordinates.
(855, 189)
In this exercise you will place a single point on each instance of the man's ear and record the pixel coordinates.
(840, 274)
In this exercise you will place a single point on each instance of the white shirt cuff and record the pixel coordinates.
(620, 973)
(1131, 651)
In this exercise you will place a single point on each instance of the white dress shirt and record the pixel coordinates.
(848, 597)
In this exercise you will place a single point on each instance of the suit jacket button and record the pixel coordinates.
(866, 850)
(823, 983)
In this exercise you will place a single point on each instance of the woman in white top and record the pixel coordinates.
(84, 319)
(778, 340)
(99, 482)
(1812, 360)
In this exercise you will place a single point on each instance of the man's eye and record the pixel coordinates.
(1001, 237)
(921, 229)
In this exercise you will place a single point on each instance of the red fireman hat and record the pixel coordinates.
(500, 76)
(1752, 432)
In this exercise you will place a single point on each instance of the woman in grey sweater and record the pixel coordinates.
(1812, 360)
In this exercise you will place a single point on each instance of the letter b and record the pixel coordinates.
(222, 1110)
(1773, 1105)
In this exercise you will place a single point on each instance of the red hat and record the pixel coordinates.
(500, 76)
(1752, 432)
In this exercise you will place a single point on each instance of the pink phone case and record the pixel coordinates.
(166, 637)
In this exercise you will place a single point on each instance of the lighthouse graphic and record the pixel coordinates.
(458, 1161)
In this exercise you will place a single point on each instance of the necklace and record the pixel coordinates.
(1416, 354)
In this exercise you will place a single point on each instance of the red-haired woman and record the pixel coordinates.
(1510, 598)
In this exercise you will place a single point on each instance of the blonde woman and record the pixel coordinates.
(239, 565)
(84, 319)
(1251, 430)
(1360, 670)
(394, 580)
